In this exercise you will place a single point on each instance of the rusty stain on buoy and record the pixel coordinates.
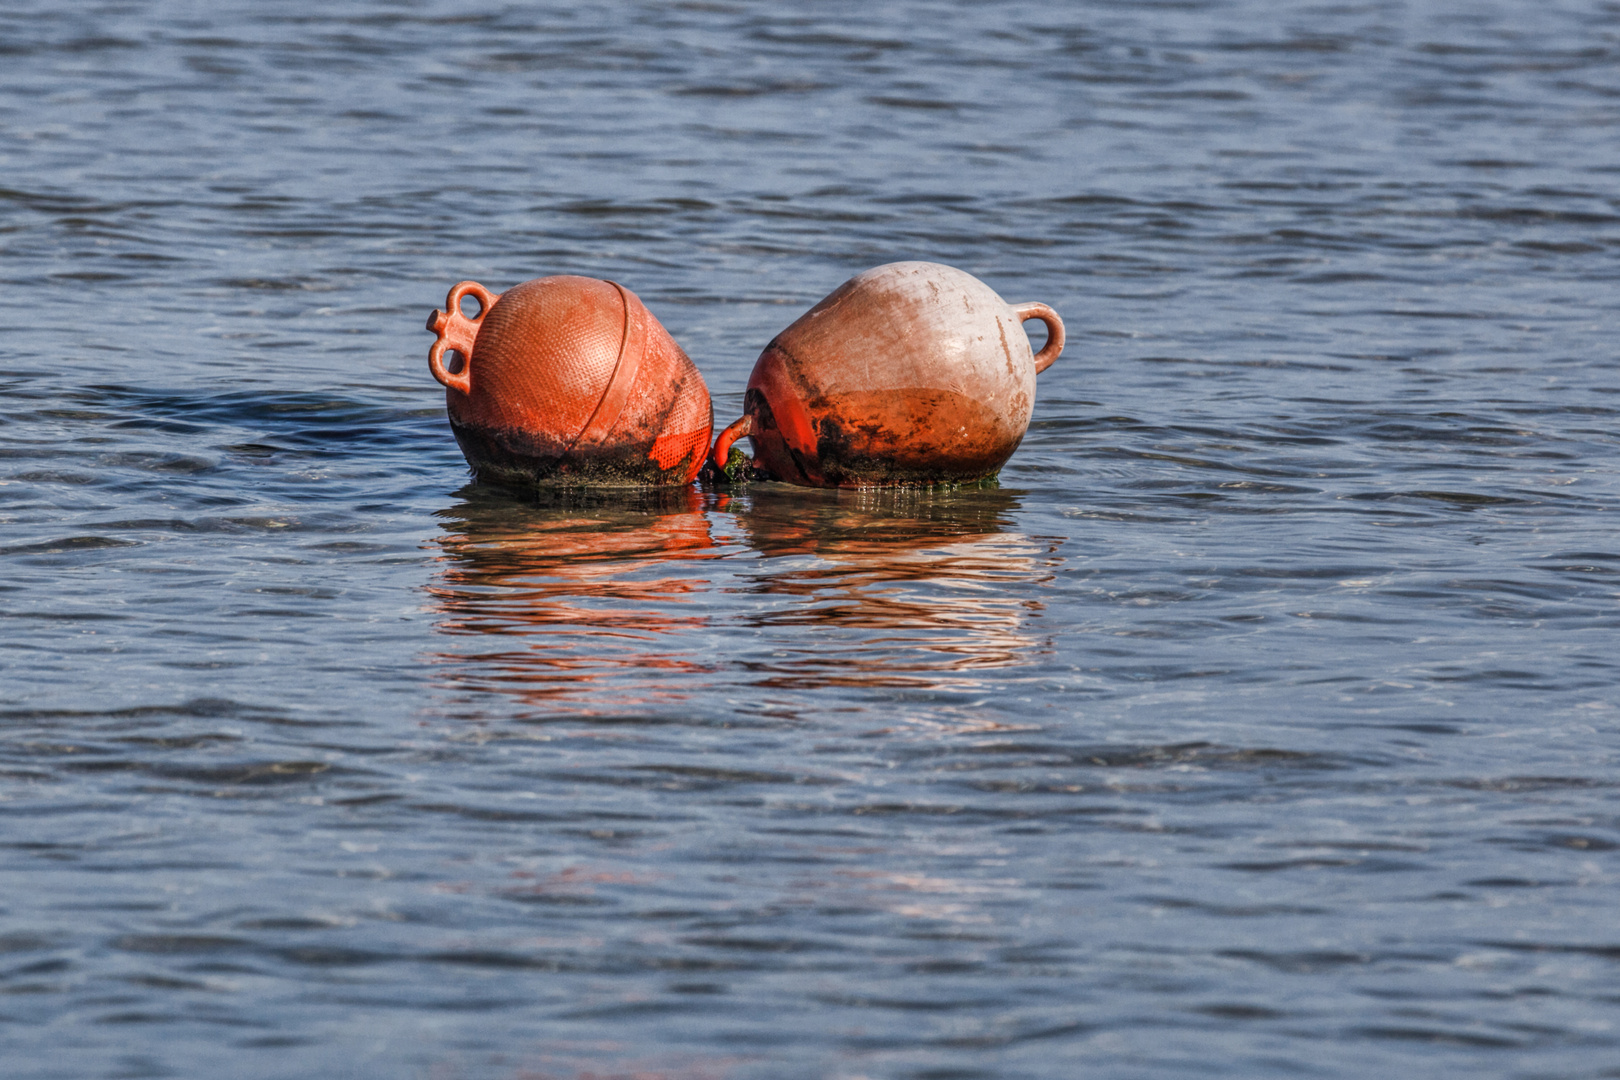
(569, 380)
(909, 373)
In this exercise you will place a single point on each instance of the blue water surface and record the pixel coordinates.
(1262, 723)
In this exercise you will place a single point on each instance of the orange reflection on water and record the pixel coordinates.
(904, 588)
(604, 604)
(576, 591)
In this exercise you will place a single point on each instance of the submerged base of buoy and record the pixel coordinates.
(515, 458)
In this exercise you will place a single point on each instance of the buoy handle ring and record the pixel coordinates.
(737, 429)
(1054, 332)
(457, 332)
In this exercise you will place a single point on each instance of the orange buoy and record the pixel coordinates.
(910, 373)
(569, 380)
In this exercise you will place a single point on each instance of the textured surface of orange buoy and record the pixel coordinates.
(910, 373)
(569, 380)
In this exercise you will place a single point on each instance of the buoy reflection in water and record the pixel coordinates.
(898, 589)
(585, 604)
(572, 592)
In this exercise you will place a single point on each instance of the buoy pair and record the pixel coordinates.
(910, 373)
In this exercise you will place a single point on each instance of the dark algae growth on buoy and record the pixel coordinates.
(1259, 719)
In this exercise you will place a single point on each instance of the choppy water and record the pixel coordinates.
(1262, 724)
